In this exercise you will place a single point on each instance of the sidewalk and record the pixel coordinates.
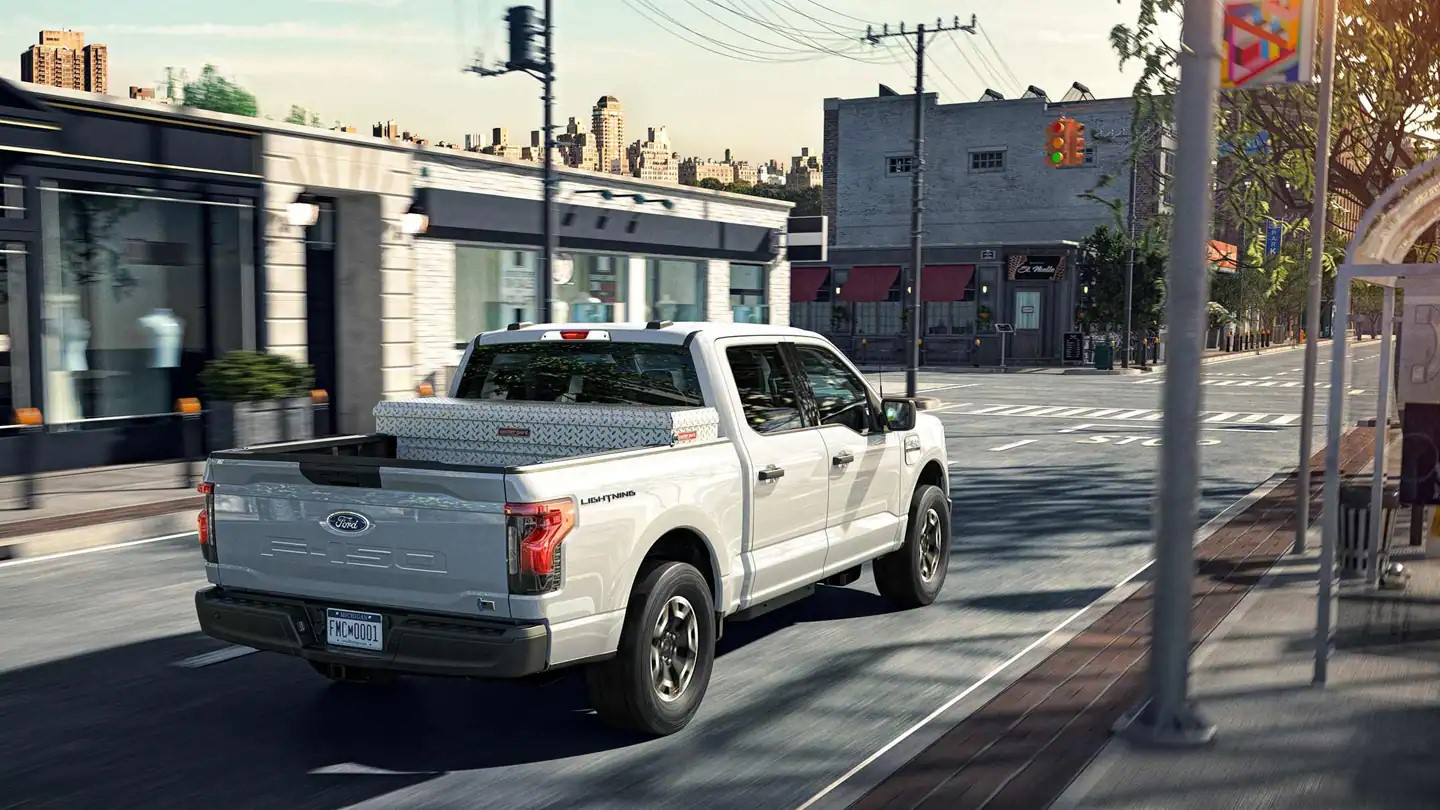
(81, 508)
(1027, 743)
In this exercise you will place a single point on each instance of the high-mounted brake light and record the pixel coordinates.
(205, 523)
(576, 334)
(533, 533)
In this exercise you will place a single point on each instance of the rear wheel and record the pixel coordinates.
(667, 648)
(343, 673)
(911, 576)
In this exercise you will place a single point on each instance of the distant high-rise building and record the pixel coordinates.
(693, 170)
(744, 171)
(474, 141)
(653, 158)
(62, 59)
(577, 148)
(386, 129)
(607, 122)
(142, 93)
(806, 170)
(500, 145)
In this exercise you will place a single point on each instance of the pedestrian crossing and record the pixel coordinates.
(1091, 413)
(1232, 382)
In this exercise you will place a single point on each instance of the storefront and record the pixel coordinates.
(127, 261)
(857, 298)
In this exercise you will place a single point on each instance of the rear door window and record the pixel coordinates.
(582, 372)
(767, 392)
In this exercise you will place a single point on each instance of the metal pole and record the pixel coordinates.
(1317, 256)
(1130, 269)
(1382, 423)
(542, 283)
(1330, 517)
(1240, 251)
(917, 192)
(1169, 718)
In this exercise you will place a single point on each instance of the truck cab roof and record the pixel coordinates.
(677, 332)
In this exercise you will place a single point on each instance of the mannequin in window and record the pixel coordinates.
(67, 337)
(165, 331)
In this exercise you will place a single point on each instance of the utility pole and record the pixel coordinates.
(914, 313)
(1169, 718)
(523, 26)
(1130, 270)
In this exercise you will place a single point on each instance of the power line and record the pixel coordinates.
(968, 63)
(944, 74)
(716, 46)
(992, 72)
(796, 35)
(1018, 84)
(784, 48)
(837, 11)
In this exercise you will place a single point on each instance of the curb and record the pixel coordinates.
(101, 527)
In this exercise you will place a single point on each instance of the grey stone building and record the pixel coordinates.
(1001, 225)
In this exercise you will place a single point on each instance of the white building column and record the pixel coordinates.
(717, 291)
(637, 293)
(777, 275)
(563, 268)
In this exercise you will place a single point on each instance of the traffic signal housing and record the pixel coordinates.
(1056, 137)
(524, 27)
(1076, 145)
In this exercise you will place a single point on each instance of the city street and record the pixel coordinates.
(110, 697)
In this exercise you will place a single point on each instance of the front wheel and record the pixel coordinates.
(667, 648)
(911, 576)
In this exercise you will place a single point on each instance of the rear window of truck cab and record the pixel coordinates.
(582, 372)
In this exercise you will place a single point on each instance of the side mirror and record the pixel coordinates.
(899, 414)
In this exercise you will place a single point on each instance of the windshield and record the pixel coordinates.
(602, 373)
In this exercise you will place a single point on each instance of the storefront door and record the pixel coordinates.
(12, 328)
(1029, 318)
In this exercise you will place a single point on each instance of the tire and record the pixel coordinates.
(912, 575)
(670, 612)
(354, 675)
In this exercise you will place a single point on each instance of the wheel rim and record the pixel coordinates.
(931, 545)
(674, 648)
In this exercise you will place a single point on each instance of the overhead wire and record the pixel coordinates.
(708, 43)
(796, 35)
(1018, 84)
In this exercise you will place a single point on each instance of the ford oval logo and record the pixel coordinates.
(348, 522)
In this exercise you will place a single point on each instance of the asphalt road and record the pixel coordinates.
(107, 698)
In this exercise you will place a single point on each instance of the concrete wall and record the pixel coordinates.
(1028, 201)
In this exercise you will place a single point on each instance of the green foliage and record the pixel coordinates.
(712, 184)
(218, 94)
(806, 200)
(1110, 249)
(302, 117)
(243, 376)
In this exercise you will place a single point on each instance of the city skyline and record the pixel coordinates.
(369, 60)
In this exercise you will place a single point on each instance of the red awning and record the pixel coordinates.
(945, 282)
(869, 282)
(805, 283)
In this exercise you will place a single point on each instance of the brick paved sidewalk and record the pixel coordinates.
(1022, 748)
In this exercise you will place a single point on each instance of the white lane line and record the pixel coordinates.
(216, 657)
(1131, 414)
(96, 549)
(1285, 419)
(1002, 448)
(1254, 417)
(1223, 416)
(946, 407)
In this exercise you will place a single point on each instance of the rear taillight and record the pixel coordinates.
(205, 523)
(533, 533)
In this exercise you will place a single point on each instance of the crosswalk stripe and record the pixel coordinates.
(990, 409)
(1155, 417)
(1072, 411)
(1100, 413)
(1254, 417)
(1016, 410)
(1269, 384)
(1131, 414)
(1219, 382)
(1245, 383)
(1292, 385)
(1285, 419)
(1221, 417)
(1047, 411)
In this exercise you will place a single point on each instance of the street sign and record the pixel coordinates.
(1274, 237)
(1267, 42)
(1074, 347)
(1005, 328)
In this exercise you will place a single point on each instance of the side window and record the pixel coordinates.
(766, 391)
(840, 396)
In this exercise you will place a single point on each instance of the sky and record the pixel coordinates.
(361, 61)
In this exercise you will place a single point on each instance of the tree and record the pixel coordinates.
(806, 200)
(712, 184)
(1109, 251)
(218, 94)
(302, 117)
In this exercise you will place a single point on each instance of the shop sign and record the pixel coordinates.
(1036, 268)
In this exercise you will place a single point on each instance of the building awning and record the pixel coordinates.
(945, 282)
(869, 282)
(805, 283)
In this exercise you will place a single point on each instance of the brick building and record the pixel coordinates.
(62, 59)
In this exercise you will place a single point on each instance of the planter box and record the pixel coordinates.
(244, 424)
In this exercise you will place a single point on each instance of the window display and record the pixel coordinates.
(596, 290)
(676, 289)
(748, 294)
(493, 288)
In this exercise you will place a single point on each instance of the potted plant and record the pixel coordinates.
(254, 398)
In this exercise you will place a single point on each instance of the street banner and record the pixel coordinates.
(1274, 235)
(1267, 42)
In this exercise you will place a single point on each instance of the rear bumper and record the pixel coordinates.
(421, 643)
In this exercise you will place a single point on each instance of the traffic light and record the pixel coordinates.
(523, 28)
(1056, 135)
(1076, 144)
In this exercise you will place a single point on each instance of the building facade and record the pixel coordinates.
(607, 124)
(577, 147)
(653, 159)
(1002, 228)
(806, 170)
(693, 170)
(62, 59)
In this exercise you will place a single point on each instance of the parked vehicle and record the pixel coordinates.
(598, 495)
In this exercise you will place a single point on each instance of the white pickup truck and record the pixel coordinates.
(605, 495)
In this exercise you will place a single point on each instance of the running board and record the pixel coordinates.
(774, 603)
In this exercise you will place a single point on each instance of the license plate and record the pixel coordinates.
(347, 628)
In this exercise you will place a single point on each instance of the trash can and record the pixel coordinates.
(1104, 356)
(1355, 540)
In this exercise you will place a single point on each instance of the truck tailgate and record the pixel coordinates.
(420, 540)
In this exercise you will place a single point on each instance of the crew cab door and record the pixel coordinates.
(864, 460)
(785, 468)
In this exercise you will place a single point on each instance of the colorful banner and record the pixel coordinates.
(1268, 42)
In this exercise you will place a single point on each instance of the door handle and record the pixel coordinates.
(842, 458)
(772, 473)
